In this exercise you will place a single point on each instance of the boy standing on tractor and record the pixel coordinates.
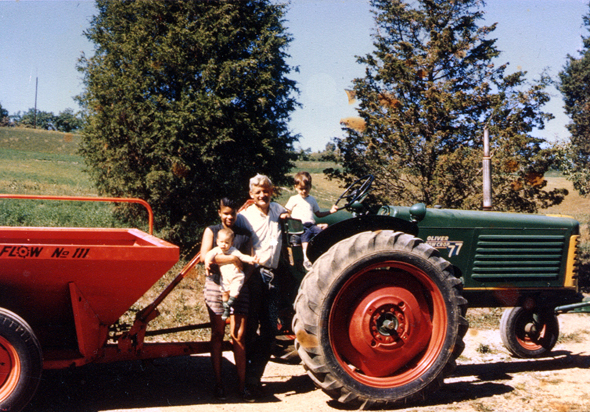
(304, 207)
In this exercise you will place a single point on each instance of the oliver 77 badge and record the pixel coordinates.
(443, 242)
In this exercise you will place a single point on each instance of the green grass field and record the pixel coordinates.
(37, 162)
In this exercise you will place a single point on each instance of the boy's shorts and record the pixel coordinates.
(309, 231)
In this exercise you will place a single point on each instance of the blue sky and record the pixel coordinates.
(44, 39)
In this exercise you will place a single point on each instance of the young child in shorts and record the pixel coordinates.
(304, 207)
(232, 278)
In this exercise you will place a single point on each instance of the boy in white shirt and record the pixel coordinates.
(232, 277)
(304, 207)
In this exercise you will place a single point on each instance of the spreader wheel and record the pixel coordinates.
(529, 334)
(20, 362)
(379, 319)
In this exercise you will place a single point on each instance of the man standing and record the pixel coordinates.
(262, 219)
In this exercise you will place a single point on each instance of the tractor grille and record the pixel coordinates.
(518, 256)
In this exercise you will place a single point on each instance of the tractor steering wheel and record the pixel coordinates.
(357, 190)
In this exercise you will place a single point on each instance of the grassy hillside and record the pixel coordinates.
(39, 162)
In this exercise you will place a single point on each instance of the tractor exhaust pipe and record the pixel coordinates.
(487, 172)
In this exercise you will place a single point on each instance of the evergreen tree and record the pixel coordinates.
(430, 88)
(575, 88)
(184, 101)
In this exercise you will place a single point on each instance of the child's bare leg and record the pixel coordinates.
(306, 262)
(226, 305)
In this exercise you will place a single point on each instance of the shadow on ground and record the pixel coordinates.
(473, 381)
(128, 385)
(188, 381)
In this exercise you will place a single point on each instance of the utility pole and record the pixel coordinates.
(36, 87)
(487, 171)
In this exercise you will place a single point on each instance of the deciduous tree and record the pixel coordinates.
(185, 101)
(431, 86)
(68, 121)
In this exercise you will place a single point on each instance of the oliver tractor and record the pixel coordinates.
(379, 319)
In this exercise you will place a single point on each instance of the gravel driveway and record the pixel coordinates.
(487, 379)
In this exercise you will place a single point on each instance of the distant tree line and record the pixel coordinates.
(66, 121)
(329, 154)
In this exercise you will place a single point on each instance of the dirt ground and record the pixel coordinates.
(487, 379)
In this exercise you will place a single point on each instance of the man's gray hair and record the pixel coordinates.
(260, 180)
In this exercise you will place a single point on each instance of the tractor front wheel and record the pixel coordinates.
(20, 362)
(529, 334)
(379, 319)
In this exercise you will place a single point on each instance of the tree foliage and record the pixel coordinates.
(4, 119)
(3, 112)
(66, 121)
(184, 102)
(31, 118)
(430, 88)
(575, 87)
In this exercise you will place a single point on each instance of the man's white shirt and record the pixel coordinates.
(266, 232)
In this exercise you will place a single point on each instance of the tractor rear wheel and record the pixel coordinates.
(379, 319)
(528, 334)
(21, 362)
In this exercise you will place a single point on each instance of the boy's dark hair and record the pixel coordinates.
(302, 179)
(227, 202)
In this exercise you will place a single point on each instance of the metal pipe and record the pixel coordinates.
(36, 87)
(567, 308)
(487, 172)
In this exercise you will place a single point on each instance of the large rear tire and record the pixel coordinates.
(527, 334)
(379, 319)
(21, 362)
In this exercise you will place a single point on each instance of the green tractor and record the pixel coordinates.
(380, 317)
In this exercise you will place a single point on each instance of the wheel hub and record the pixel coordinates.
(388, 328)
(10, 369)
(532, 329)
(5, 365)
(388, 325)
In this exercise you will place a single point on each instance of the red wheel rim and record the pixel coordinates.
(10, 369)
(388, 324)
